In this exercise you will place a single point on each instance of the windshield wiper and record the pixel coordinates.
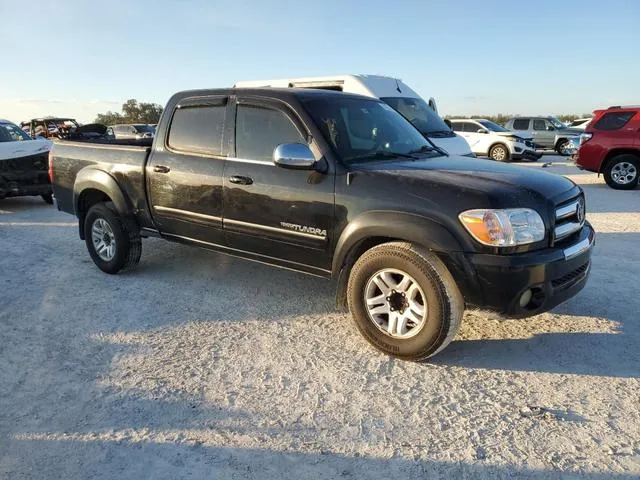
(382, 154)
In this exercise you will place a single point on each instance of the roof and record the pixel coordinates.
(280, 93)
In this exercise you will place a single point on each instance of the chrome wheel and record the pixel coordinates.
(566, 149)
(103, 239)
(499, 153)
(624, 173)
(395, 303)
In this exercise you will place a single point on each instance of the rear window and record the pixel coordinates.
(197, 129)
(521, 124)
(613, 120)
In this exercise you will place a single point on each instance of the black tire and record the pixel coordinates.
(499, 152)
(560, 146)
(128, 246)
(48, 198)
(630, 163)
(445, 305)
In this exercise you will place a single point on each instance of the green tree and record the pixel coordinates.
(132, 112)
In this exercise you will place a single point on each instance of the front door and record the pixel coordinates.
(283, 215)
(542, 135)
(184, 176)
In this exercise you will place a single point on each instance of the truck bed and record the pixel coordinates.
(124, 162)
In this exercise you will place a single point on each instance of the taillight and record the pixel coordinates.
(585, 137)
(50, 171)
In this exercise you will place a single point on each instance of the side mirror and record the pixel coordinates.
(295, 156)
(483, 130)
(550, 128)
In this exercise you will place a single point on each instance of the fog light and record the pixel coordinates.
(526, 298)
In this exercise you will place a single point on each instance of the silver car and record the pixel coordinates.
(132, 131)
(547, 133)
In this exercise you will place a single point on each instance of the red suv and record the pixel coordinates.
(611, 146)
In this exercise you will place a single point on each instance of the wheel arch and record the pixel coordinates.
(614, 153)
(94, 186)
(374, 228)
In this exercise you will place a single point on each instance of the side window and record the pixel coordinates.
(521, 124)
(472, 127)
(539, 125)
(197, 129)
(259, 130)
(457, 126)
(613, 120)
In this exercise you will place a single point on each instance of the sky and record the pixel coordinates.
(474, 57)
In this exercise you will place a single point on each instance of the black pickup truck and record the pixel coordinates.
(343, 187)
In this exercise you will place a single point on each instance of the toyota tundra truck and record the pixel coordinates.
(339, 186)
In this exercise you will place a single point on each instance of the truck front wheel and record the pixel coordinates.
(113, 242)
(404, 301)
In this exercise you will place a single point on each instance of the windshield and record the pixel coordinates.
(144, 129)
(12, 133)
(492, 126)
(556, 123)
(420, 114)
(364, 130)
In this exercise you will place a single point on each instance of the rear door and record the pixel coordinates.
(272, 211)
(184, 175)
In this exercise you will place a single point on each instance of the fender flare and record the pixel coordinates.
(396, 225)
(92, 178)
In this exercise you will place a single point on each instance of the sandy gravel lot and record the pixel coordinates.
(198, 365)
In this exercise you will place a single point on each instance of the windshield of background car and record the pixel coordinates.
(359, 128)
(492, 126)
(419, 113)
(12, 133)
(557, 123)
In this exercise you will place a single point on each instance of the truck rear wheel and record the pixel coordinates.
(113, 242)
(621, 172)
(404, 301)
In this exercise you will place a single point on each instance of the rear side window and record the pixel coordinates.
(613, 120)
(521, 124)
(260, 130)
(457, 126)
(198, 129)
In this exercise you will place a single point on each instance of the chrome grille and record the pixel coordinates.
(570, 218)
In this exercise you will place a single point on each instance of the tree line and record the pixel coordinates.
(132, 112)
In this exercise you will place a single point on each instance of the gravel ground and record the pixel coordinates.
(196, 364)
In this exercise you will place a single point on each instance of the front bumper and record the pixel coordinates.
(527, 155)
(552, 275)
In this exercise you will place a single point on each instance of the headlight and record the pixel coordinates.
(517, 139)
(504, 228)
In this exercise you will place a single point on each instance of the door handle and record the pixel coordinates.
(161, 169)
(239, 180)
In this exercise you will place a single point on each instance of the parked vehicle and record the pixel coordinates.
(489, 139)
(580, 123)
(611, 146)
(547, 132)
(392, 91)
(23, 163)
(50, 127)
(134, 131)
(343, 187)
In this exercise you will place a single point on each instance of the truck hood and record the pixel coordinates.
(465, 181)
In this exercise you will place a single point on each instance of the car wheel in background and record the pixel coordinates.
(499, 152)
(404, 301)
(113, 242)
(562, 147)
(621, 172)
(48, 198)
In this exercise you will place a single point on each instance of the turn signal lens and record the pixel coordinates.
(504, 228)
